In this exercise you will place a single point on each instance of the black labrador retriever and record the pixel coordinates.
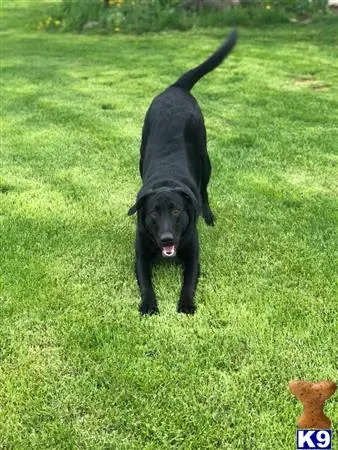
(175, 169)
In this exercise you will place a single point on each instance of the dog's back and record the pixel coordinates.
(173, 118)
(174, 125)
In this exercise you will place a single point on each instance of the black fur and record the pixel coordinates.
(175, 170)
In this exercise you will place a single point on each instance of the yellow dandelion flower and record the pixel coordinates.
(117, 29)
(57, 23)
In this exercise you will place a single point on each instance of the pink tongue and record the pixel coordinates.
(169, 250)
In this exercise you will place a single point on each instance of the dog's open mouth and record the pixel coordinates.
(169, 251)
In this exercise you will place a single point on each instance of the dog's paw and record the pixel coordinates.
(149, 309)
(186, 308)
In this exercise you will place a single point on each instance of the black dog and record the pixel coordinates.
(175, 169)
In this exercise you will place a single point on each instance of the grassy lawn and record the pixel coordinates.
(79, 368)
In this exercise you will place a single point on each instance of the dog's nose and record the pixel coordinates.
(167, 238)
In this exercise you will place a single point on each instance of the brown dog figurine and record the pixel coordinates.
(313, 397)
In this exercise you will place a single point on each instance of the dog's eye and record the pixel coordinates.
(176, 212)
(153, 214)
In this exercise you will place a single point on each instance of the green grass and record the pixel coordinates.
(79, 368)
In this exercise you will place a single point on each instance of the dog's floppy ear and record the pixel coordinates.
(141, 196)
(190, 196)
(132, 210)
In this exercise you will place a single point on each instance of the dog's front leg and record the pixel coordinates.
(191, 273)
(148, 303)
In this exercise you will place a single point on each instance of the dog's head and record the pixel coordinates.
(166, 214)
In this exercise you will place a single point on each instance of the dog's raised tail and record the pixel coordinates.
(190, 78)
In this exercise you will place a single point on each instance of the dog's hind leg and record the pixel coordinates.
(144, 137)
(207, 214)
